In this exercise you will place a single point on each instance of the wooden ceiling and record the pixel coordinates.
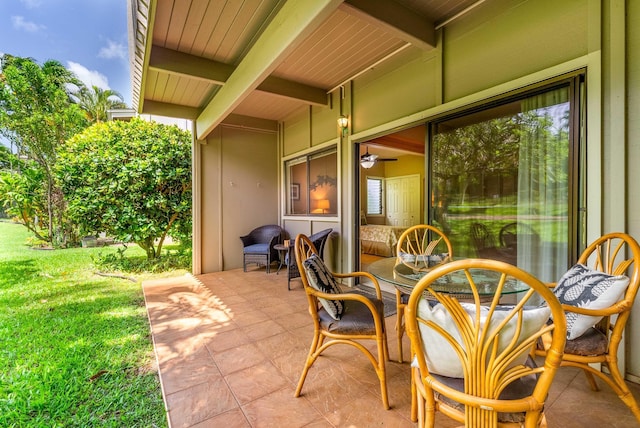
(207, 60)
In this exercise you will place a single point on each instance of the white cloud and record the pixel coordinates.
(31, 4)
(20, 23)
(113, 50)
(88, 77)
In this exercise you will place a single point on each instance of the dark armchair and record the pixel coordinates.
(258, 245)
(318, 240)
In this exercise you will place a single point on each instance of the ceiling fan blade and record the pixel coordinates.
(387, 159)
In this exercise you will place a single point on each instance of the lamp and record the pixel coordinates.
(323, 204)
(367, 163)
(343, 123)
(368, 160)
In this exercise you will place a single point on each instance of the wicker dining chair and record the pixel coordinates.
(414, 247)
(472, 359)
(596, 343)
(341, 318)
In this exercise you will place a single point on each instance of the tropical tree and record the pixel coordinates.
(7, 159)
(37, 115)
(22, 198)
(131, 180)
(96, 101)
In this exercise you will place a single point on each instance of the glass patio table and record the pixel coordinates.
(404, 279)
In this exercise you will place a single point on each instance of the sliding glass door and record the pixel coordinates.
(504, 179)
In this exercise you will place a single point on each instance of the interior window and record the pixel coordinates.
(375, 187)
(503, 182)
(312, 184)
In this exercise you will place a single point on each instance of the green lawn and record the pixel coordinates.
(75, 347)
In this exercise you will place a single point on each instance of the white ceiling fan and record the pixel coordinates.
(368, 160)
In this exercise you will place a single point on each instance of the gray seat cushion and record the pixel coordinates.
(356, 318)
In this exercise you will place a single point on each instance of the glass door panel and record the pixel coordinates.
(500, 182)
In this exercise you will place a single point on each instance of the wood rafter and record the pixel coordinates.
(287, 30)
(181, 64)
(396, 19)
(171, 110)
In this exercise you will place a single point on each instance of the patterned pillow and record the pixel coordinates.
(321, 279)
(442, 359)
(584, 287)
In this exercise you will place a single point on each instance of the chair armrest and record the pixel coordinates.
(274, 240)
(365, 275)
(611, 310)
(345, 296)
(246, 240)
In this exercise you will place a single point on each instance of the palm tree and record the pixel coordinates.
(96, 101)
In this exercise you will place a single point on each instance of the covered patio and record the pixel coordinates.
(286, 97)
(230, 347)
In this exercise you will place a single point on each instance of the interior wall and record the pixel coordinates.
(239, 187)
(376, 170)
(405, 165)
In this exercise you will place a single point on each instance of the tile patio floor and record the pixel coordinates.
(230, 347)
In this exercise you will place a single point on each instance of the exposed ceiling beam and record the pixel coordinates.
(249, 122)
(290, 26)
(182, 64)
(397, 19)
(170, 110)
(294, 90)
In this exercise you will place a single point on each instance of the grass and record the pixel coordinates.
(75, 347)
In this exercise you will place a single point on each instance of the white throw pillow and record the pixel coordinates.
(584, 287)
(442, 359)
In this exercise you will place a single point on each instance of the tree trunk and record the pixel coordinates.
(50, 206)
(147, 246)
(164, 235)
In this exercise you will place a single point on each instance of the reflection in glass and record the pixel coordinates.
(500, 182)
(312, 182)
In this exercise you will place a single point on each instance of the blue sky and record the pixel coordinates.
(89, 37)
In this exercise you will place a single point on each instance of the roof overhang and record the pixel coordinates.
(207, 60)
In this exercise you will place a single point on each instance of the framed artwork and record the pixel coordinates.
(295, 191)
